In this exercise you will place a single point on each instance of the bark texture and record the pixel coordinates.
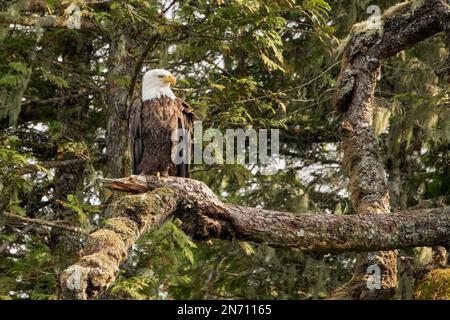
(204, 216)
(401, 27)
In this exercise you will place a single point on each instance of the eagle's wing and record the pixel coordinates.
(135, 134)
(186, 123)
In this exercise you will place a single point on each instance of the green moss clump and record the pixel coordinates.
(435, 286)
(123, 226)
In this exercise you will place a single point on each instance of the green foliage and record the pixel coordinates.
(132, 287)
(82, 210)
(154, 263)
(29, 273)
(12, 184)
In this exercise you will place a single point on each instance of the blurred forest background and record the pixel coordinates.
(239, 64)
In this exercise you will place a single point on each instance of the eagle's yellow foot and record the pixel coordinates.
(158, 175)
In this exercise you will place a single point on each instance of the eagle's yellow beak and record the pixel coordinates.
(169, 79)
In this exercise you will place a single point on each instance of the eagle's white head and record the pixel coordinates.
(156, 83)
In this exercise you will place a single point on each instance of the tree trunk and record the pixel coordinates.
(71, 115)
(401, 27)
(120, 70)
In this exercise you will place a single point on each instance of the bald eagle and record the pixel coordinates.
(160, 125)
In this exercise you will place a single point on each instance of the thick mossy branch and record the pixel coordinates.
(204, 216)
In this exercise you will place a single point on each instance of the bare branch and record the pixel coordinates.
(14, 219)
(30, 168)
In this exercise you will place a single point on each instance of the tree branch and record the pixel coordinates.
(31, 168)
(204, 216)
(14, 219)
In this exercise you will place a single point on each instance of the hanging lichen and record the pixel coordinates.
(11, 100)
(381, 118)
(15, 82)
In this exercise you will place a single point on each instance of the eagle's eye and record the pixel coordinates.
(160, 76)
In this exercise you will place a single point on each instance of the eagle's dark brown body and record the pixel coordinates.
(151, 124)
